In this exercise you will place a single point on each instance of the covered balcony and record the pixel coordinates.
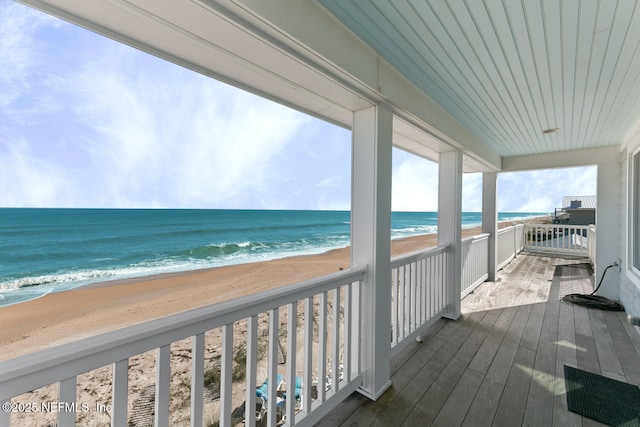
(502, 363)
(461, 84)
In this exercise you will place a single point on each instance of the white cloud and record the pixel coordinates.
(112, 127)
(415, 187)
(200, 142)
(19, 49)
(160, 136)
(26, 180)
(543, 190)
(330, 181)
(472, 192)
(414, 183)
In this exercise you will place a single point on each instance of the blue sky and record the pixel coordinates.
(88, 122)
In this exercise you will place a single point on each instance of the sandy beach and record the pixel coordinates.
(66, 316)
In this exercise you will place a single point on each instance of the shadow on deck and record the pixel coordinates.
(502, 362)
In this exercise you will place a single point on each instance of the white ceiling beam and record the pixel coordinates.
(562, 159)
(193, 35)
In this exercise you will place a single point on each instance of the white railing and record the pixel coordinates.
(510, 243)
(475, 262)
(591, 239)
(419, 294)
(557, 238)
(306, 333)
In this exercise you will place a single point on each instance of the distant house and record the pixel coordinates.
(576, 210)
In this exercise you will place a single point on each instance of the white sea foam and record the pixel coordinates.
(54, 280)
(413, 231)
(25, 288)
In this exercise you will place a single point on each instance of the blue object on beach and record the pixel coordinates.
(263, 390)
(298, 390)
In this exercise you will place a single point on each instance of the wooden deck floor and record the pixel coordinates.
(502, 362)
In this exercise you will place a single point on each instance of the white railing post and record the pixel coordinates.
(163, 384)
(371, 240)
(292, 328)
(322, 343)
(490, 220)
(5, 416)
(67, 396)
(197, 380)
(252, 362)
(120, 393)
(308, 355)
(591, 242)
(335, 339)
(450, 225)
(272, 389)
(519, 230)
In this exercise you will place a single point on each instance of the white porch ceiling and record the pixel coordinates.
(507, 70)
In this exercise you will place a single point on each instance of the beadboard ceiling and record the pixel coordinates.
(509, 70)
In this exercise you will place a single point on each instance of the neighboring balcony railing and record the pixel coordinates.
(303, 339)
(559, 238)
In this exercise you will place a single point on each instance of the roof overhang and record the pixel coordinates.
(562, 159)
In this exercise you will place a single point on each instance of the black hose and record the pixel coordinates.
(595, 301)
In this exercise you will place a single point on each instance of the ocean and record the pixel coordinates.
(49, 250)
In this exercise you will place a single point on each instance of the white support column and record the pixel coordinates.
(450, 225)
(608, 229)
(490, 219)
(371, 241)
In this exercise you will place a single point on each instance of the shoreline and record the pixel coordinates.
(65, 316)
(154, 276)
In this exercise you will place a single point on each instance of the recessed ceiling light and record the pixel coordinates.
(553, 130)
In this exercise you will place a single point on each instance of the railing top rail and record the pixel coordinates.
(510, 228)
(25, 373)
(574, 226)
(482, 236)
(412, 256)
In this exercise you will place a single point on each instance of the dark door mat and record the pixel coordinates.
(608, 401)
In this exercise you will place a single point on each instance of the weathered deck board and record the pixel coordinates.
(539, 408)
(566, 355)
(607, 356)
(502, 363)
(511, 407)
(482, 360)
(624, 348)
